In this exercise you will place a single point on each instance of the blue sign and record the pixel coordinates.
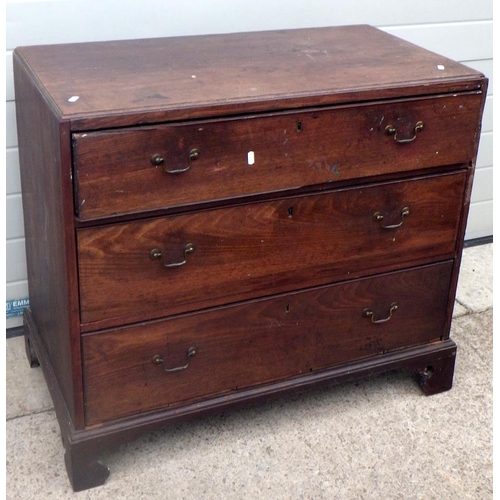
(16, 307)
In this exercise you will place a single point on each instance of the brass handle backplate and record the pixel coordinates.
(158, 360)
(379, 216)
(368, 313)
(155, 254)
(158, 159)
(391, 130)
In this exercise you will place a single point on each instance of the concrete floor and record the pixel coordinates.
(377, 438)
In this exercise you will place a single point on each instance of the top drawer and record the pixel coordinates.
(149, 168)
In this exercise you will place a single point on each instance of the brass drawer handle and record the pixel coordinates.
(368, 313)
(158, 360)
(158, 159)
(378, 216)
(391, 130)
(155, 253)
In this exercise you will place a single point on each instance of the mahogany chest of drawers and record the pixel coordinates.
(217, 220)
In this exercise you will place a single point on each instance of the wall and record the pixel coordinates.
(458, 29)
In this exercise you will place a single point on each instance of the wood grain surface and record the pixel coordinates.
(127, 82)
(263, 248)
(261, 341)
(44, 159)
(114, 173)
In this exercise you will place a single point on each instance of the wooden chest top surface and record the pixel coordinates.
(118, 83)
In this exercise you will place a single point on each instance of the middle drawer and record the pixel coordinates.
(154, 268)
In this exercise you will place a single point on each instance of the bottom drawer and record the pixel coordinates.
(260, 341)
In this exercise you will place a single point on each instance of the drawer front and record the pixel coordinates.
(231, 254)
(261, 341)
(148, 168)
